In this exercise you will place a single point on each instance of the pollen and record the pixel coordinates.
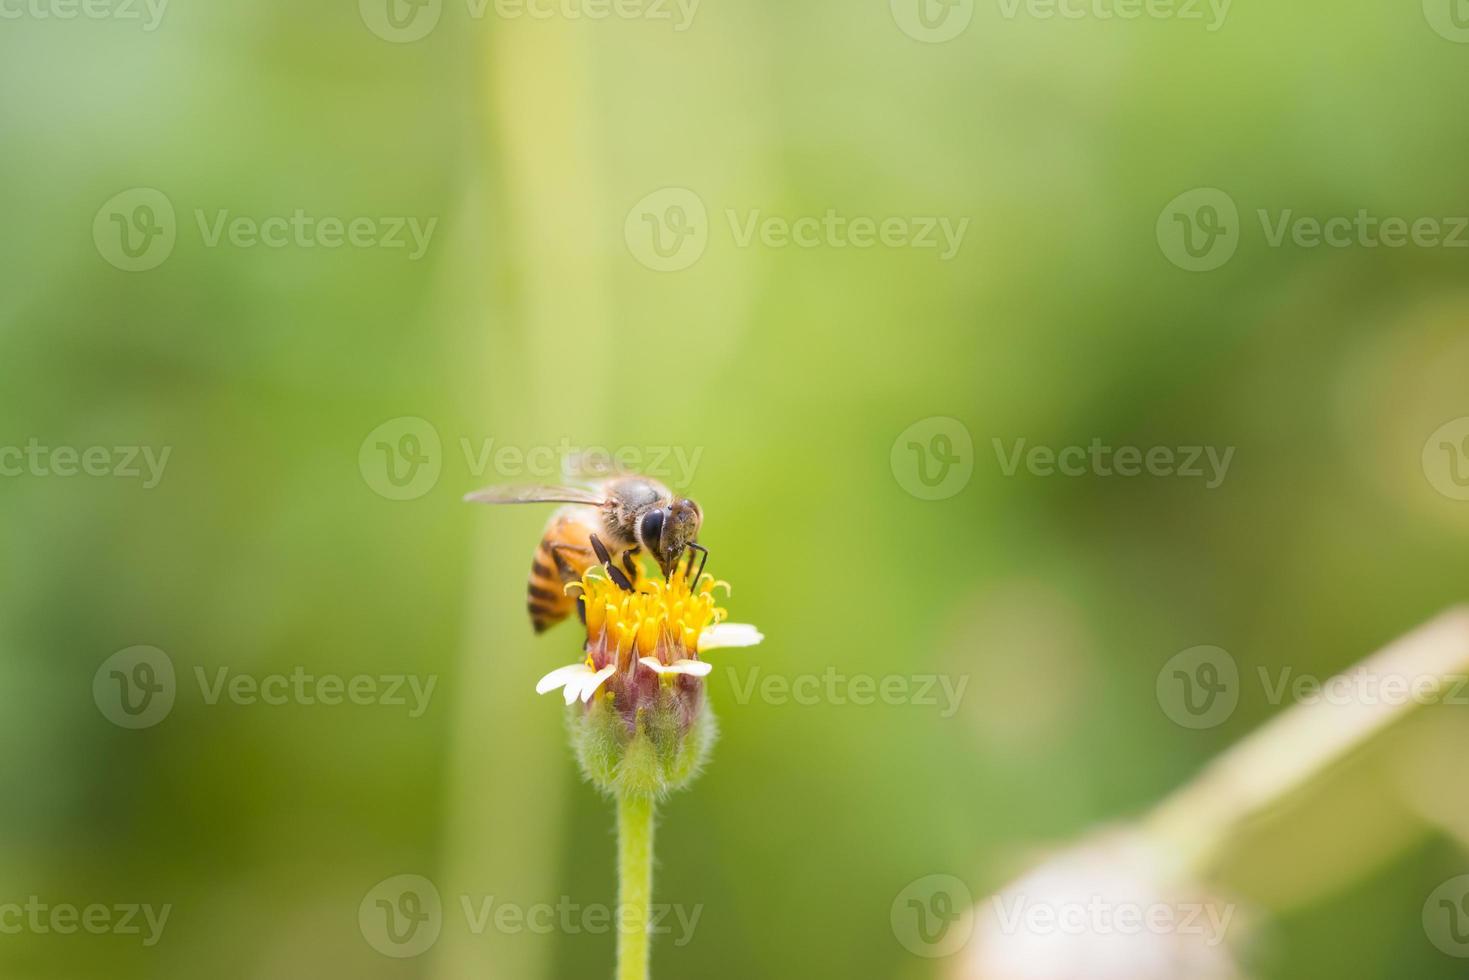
(656, 619)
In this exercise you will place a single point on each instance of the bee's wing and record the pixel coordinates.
(535, 495)
(591, 465)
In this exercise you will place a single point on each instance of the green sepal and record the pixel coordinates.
(653, 761)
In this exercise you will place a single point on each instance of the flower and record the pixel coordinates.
(580, 680)
(660, 626)
(645, 727)
(729, 635)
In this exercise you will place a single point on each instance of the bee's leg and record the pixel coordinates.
(564, 568)
(613, 572)
(703, 557)
(629, 562)
(569, 574)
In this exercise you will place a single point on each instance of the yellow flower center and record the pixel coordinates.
(674, 612)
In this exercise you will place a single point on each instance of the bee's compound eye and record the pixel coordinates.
(652, 528)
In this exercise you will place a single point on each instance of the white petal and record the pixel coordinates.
(561, 677)
(693, 668)
(729, 635)
(590, 685)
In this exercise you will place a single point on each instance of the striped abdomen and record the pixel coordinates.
(563, 556)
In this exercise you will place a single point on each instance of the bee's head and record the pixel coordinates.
(668, 531)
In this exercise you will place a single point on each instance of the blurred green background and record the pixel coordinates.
(534, 316)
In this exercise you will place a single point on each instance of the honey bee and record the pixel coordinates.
(610, 523)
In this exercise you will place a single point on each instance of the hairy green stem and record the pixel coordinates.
(634, 883)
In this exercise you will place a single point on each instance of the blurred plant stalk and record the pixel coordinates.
(536, 213)
(1275, 763)
(1171, 859)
